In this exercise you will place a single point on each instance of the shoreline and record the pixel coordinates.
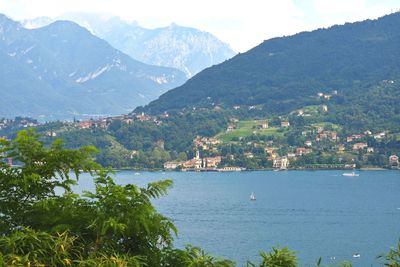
(256, 170)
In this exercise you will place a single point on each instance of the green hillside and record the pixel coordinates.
(356, 65)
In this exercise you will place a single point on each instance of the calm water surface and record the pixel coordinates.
(315, 213)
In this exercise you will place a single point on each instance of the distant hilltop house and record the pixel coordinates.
(354, 137)
(367, 132)
(263, 125)
(205, 142)
(230, 128)
(300, 151)
(327, 96)
(86, 124)
(285, 124)
(379, 135)
(51, 134)
(358, 146)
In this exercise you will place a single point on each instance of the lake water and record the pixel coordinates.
(315, 213)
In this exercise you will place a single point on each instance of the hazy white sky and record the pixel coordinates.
(241, 23)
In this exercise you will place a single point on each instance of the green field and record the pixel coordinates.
(246, 128)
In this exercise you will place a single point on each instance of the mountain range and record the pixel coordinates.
(62, 70)
(356, 61)
(187, 49)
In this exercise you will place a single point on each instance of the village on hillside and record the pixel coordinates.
(347, 149)
(278, 142)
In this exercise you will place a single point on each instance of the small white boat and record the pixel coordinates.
(357, 255)
(352, 174)
(252, 196)
(137, 173)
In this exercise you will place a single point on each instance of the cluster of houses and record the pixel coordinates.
(352, 143)
(206, 143)
(197, 163)
(21, 123)
(128, 119)
(376, 136)
(4, 123)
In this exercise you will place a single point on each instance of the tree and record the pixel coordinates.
(392, 257)
(37, 203)
(44, 223)
(277, 258)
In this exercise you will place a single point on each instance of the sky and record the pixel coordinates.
(241, 23)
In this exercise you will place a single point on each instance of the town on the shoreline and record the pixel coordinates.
(279, 142)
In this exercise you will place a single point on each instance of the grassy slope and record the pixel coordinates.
(246, 128)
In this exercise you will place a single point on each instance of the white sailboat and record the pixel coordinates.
(252, 196)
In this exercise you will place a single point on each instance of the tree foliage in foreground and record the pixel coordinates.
(43, 223)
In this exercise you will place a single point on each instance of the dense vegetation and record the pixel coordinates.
(42, 222)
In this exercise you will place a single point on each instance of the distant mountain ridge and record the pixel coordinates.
(62, 70)
(283, 74)
(187, 49)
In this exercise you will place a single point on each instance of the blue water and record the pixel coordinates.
(315, 213)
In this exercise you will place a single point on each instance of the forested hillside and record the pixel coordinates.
(355, 60)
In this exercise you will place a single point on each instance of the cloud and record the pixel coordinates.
(327, 7)
(340, 11)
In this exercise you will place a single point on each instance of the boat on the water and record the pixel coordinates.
(252, 196)
(350, 174)
(356, 255)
